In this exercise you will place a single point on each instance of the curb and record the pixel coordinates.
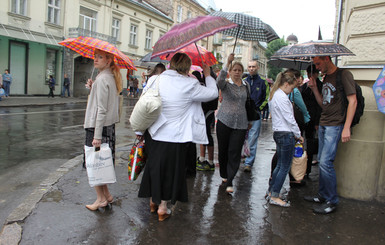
(12, 229)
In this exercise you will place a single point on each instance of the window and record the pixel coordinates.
(50, 63)
(179, 14)
(54, 11)
(237, 49)
(148, 39)
(133, 34)
(115, 28)
(87, 19)
(19, 7)
(189, 15)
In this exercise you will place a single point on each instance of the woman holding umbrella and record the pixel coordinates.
(102, 114)
(232, 121)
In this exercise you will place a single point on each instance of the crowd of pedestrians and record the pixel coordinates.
(190, 110)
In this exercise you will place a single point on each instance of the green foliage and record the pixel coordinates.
(272, 47)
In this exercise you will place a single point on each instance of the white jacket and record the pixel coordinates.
(181, 119)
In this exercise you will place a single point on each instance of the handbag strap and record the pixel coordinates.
(156, 81)
(248, 90)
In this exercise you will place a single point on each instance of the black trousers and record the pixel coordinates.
(311, 143)
(230, 143)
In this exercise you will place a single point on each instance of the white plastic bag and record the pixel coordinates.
(147, 109)
(100, 167)
(246, 148)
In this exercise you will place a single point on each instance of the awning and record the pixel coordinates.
(27, 35)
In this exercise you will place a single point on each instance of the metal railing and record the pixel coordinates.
(75, 32)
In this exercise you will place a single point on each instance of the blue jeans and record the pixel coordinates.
(253, 141)
(6, 86)
(66, 88)
(285, 151)
(328, 138)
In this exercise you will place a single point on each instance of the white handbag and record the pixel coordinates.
(100, 167)
(147, 109)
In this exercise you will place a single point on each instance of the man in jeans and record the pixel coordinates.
(259, 90)
(334, 125)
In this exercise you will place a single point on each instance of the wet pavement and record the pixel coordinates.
(55, 211)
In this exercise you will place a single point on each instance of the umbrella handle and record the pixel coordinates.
(200, 56)
(236, 38)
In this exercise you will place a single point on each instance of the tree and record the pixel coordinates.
(272, 47)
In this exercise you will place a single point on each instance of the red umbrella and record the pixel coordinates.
(85, 46)
(196, 55)
(190, 31)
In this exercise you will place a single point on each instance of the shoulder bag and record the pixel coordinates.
(251, 109)
(147, 109)
(298, 115)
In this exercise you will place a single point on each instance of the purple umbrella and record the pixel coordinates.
(190, 31)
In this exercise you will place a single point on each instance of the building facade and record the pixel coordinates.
(360, 163)
(31, 29)
(28, 44)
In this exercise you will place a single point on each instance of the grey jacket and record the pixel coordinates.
(103, 103)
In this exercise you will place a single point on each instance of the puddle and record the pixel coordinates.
(53, 196)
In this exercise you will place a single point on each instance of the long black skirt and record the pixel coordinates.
(164, 176)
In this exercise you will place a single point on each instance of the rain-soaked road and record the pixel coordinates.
(210, 217)
(35, 141)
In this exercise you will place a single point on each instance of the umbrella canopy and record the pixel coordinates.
(250, 28)
(298, 64)
(379, 91)
(312, 49)
(196, 53)
(147, 58)
(190, 31)
(85, 46)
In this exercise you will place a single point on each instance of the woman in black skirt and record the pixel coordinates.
(180, 123)
(102, 114)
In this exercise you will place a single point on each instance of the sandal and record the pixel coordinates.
(285, 205)
(162, 217)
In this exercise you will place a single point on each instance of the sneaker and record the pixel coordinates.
(203, 166)
(211, 166)
(325, 208)
(316, 199)
(247, 168)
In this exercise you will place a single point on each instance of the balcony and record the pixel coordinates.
(76, 32)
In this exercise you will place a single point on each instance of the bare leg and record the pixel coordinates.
(202, 151)
(210, 153)
(101, 200)
(107, 194)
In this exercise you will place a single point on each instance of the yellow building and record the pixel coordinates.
(30, 31)
(360, 163)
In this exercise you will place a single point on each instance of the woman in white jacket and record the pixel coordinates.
(181, 122)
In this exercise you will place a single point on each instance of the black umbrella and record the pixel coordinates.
(298, 64)
(147, 58)
(312, 49)
(249, 28)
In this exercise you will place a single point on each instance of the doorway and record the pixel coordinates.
(18, 67)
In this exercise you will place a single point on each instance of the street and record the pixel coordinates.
(54, 135)
(35, 141)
